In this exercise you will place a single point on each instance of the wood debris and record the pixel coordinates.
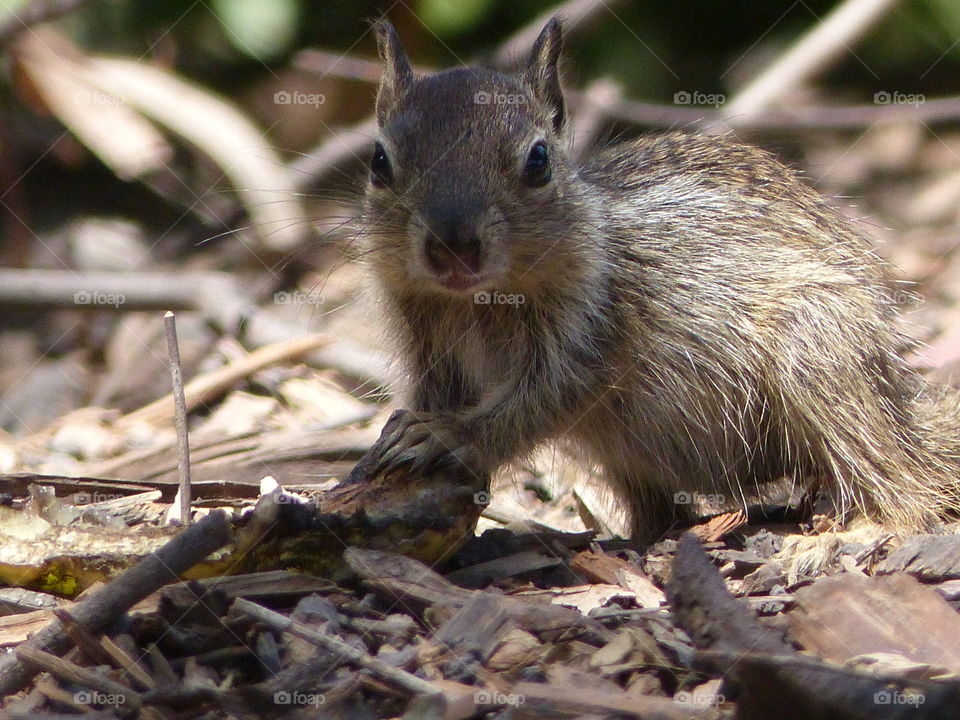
(328, 591)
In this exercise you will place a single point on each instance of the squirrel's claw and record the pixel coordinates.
(424, 443)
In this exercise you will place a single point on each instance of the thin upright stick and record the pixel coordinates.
(180, 417)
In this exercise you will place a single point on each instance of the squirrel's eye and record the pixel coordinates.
(536, 172)
(381, 174)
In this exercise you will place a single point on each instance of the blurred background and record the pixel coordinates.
(208, 157)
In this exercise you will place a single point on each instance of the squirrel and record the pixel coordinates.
(680, 306)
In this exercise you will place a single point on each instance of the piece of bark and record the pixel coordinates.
(15, 601)
(801, 688)
(631, 649)
(518, 649)
(719, 526)
(453, 701)
(482, 574)
(606, 568)
(930, 558)
(14, 629)
(531, 701)
(500, 542)
(847, 615)
(704, 608)
(400, 578)
(18, 485)
(396, 629)
(477, 628)
(67, 559)
(86, 642)
(98, 611)
(290, 456)
(404, 579)
(129, 665)
(70, 672)
(427, 517)
(274, 585)
(891, 665)
(162, 672)
(588, 599)
(764, 579)
(773, 679)
(47, 687)
(424, 516)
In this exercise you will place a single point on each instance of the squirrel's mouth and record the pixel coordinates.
(459, 280)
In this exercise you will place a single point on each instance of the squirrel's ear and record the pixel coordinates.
(543, 72)
(397, 75)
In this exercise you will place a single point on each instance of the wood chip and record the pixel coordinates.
(928, 557)
(848, 615)
(606, 568)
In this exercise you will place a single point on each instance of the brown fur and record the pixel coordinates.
(693, 314)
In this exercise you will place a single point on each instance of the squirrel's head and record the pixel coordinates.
(469, 183)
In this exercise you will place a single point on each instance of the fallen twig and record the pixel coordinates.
(811, 54)
(348, 652)
(116, 597)
(70, 672)
(110, 290)
(216, 296)
(206, 387)
(352, 143)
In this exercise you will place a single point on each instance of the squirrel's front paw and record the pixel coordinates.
(425, 443)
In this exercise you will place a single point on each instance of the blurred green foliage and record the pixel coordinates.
(652, 48)
(449, 17)
(244, 50)
(261, 29)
